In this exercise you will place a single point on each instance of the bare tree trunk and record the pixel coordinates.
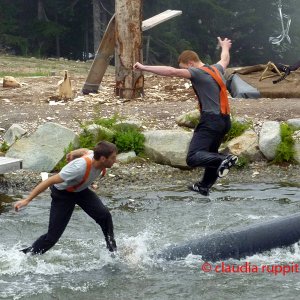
(129, 83)
(96, 23)
(41, 11)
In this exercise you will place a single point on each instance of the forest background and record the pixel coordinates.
(73, 29)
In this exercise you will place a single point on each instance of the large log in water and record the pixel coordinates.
(240, 242)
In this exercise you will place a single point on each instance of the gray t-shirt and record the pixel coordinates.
(73, 173)
(207, 89)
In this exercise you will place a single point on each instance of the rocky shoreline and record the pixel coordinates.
(145, 175)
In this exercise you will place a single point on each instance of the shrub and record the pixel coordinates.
(86, 139)
(128, 137)
(237, 128)
(4, 147)
(243, 162)
(285, 150)
(108, 123)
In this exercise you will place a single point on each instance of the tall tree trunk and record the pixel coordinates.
(129, 83)
(97, 23)
(41, 11)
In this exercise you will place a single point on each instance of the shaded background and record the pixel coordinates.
(64, 28)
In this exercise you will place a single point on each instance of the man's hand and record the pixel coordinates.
(138, 66)
(76, 154)
(21, 203)
(226, 43)
(225, 56)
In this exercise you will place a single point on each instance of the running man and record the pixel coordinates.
(71, 186)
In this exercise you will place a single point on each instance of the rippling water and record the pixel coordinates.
(79, 266)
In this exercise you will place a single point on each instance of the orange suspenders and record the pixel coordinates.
(86, 174)
(224, 106)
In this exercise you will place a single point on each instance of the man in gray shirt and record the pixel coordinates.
(70, 187)
(210, 89)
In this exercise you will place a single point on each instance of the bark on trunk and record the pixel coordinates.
(96, 23)
(129, 83)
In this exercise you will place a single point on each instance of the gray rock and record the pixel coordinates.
(296, 137)
(97, 130)
(294, 122)
(269, 139)
(13, 133)
(168, 147)
(42, 150)
(189, 119)
(125, 157)
(245, 145)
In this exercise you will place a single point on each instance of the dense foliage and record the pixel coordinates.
(64, 28)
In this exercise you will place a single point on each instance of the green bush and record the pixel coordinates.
(237, 129)
(86, 139)
(243, 162)
(108, 123)
(4, 147)
(128, 137)
(285, 151)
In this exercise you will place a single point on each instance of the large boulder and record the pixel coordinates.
(42, 150)
(168, 147)
(245, 145)
(269, 139)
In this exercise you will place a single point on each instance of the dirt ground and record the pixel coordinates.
(165, 98)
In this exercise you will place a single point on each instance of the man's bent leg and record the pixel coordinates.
(94, 207)
(61, 210)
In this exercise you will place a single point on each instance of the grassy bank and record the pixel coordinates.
(18, 66)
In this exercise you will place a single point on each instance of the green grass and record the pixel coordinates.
(24, 74)
(18, 66)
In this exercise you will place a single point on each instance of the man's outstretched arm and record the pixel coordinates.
(163, 70)
(225, 56)
(37, 190)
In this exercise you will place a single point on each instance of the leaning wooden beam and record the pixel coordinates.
(102, 58)
(107, 46)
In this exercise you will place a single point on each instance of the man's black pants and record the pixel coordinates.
(205, 143)
(62, 206)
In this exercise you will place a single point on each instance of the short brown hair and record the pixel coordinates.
(105, 149)
(188, 55)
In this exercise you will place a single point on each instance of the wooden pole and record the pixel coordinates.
(107, 48)
(128, 33)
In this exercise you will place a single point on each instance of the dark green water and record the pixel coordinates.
(79, 266)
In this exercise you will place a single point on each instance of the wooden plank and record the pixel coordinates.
(102, 58)
(107, 46)
(8, 164)
(160, 18)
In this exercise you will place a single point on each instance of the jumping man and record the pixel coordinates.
(210, 89)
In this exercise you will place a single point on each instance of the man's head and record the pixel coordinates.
(188, 59)
(105, 154)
